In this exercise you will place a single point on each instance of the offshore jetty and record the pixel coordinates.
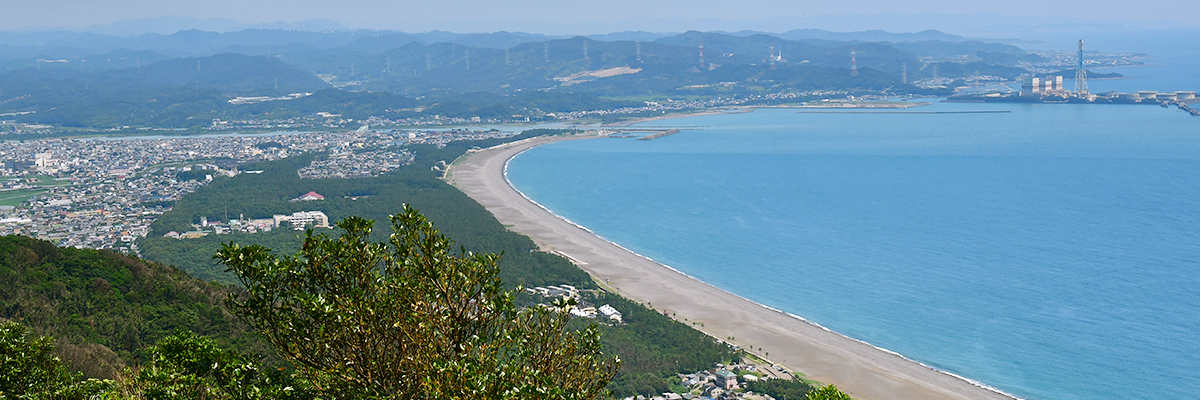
(653, 136)
(1189, 110)
(622, 133)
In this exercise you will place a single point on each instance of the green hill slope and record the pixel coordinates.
(105, 307)
(654, 346)
(263, 195)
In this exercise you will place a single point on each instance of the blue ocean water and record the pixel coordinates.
(1052, 252)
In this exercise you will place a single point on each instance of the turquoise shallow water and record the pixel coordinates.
(1051, 252)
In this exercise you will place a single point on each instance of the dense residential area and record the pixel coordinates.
(104, 193)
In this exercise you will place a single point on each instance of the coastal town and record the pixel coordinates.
(324, 121)
(104, 193)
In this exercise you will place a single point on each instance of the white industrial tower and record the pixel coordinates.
(1080, 73)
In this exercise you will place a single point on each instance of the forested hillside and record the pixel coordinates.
(263, 195)
(653, 347)
(105, 308)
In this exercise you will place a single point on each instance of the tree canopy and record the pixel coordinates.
(30, 370)
(104, 308)
(410, 318)
(828, 392)
(185, 365)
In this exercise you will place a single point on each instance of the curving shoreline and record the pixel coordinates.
(861, 369)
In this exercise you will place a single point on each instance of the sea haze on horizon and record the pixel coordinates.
(1051, 252)
(593, 17)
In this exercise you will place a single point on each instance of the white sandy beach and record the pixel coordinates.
(864, 371)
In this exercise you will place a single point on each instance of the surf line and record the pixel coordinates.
(972, 382)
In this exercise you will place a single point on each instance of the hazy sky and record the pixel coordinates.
(573, 16)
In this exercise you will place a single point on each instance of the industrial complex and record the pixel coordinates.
(1050, 89)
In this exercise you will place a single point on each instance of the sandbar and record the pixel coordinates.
(860, 369)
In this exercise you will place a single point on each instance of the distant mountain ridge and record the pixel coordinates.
(90, 80)
(159, 32)
(227, 71)
(166, 25)
(872, 36)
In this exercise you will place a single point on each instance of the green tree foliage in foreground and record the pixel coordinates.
(30, 370)
(410, 319)
(104, 308)
(782, 388)
(828, 392)
(183, 365)
(189, 366)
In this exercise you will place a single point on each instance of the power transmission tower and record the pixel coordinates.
(1081, 87)
(772, 55)
(853, 61)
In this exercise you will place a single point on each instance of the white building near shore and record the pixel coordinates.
(610, 312)
(302, 219)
